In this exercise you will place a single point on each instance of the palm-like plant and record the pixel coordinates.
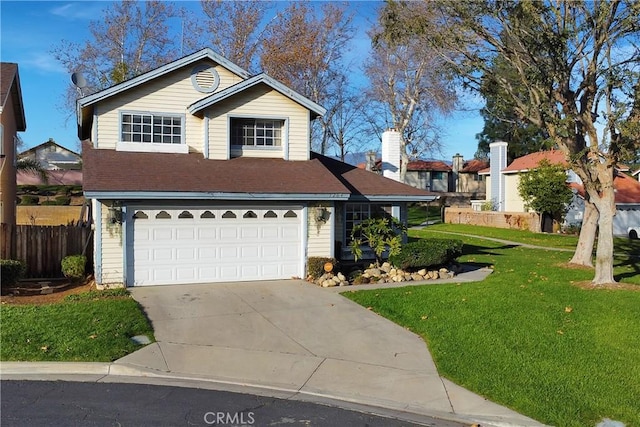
(33, 167)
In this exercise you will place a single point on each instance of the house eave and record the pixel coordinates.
(206, 53)
(194, 195)
(392, 198)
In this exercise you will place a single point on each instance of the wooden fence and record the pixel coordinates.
(43, 247)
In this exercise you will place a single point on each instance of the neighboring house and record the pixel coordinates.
(431, 175)
(468, 179)
(200, 172)
(12, 121)
(63, 166)
(53, 156)
(438, 176)
(502, 187)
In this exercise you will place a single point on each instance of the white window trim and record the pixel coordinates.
(238, 149)
(153, 147)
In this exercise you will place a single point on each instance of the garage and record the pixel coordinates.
(204, 245)
(627, 215)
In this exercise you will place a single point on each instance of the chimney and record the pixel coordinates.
(497, 162)
(370, 160)
(456, 167)
(391, 154)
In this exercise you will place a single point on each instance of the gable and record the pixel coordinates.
(11, 92)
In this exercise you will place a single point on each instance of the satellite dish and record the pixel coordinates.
(78, 80)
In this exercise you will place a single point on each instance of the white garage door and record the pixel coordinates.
(173, 246)
(626, 216)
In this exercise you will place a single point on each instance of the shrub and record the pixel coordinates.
(315, 265)
(27, 189)
(49, 203)
(427, 253)
(63, 200)
(379, 234)
(11, 271)
(73, 266)
(29, 200)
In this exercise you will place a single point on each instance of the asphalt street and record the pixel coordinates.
(56, 403)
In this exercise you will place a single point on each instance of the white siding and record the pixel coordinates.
(171, 93)
(112, 250)
(260, 102)
(319, 241)
(513, 202)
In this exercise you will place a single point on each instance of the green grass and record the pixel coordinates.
(419, 213)
(96, 326)
(563, 241)
(526, 337)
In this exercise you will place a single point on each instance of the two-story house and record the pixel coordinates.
(200, 172)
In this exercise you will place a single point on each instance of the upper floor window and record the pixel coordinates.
(151, 128)
(256, 132)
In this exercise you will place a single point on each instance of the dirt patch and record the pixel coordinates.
(608, 286)
(56, 296)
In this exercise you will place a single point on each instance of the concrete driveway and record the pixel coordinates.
(291, 336)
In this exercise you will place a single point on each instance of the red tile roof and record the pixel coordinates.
(531, 161)
(428, 165)
(56, 177)
(474, 166)
(627, 189)
(115, 171)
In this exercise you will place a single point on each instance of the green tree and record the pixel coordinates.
(573, 62)
(545, 190)
(501, 121)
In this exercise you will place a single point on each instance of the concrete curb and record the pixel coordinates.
(124, 373)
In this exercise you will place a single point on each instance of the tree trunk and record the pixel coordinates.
(604, 251)
(584, 249)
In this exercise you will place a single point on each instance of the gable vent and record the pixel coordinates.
(205, 78)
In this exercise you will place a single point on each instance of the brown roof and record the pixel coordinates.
(362, 182)
(10, 84)
(115, 171)
(416, 165)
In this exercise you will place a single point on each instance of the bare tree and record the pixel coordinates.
(129, 39)
(304, 49)
(235, 28)
(345, 120)
(408, 88)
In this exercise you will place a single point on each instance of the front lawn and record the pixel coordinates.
(94, 326)
(528, 336)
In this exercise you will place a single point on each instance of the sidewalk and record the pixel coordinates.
(286, 339)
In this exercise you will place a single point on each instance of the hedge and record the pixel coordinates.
(29, 200)
(426, 253)
(11, 271)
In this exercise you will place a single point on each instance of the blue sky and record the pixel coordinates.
(30, 29)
